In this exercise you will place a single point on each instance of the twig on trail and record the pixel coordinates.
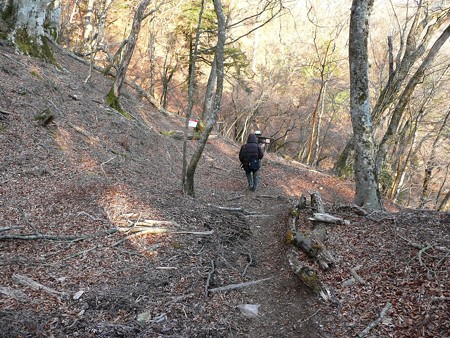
(27, 221)
(58, 238)
(235, 198)
(429, 271)
(10, 228)
(210, 273)
(258, 215)
(355, 275)
(200, 233)
(91, 217)
(250, 262)
(305, 320)
(101, 165)
(411, 243)
(375, 322)
(268, 196)
(238, 286)
(143, 231)
(27, 281)
(245, 212)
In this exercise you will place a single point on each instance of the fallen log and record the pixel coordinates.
(326, 218)
(309, 277)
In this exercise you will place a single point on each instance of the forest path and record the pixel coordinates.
(287, 308)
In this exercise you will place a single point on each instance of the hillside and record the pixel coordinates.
(68, 186)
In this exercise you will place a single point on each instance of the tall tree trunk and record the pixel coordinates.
(367, 194)
(212, 117)
(89, 27)
(114, 93)
(192, 63)
(29, 21)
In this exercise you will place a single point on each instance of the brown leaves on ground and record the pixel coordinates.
(91, 171)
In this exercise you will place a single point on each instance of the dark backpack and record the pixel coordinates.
(254, 164)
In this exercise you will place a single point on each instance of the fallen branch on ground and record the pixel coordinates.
(24, 280)
(9, 228)
(355, 275)
(377, 321)
(246, 212)
(143, 231)
(57, 238)
(238, 286)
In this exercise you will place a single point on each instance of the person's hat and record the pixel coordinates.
(257, 132)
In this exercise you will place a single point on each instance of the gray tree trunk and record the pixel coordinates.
(29, 21)
(212, 116)
(367, 194)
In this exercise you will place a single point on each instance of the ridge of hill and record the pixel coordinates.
(74, 172)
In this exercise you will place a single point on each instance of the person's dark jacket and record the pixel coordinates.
(250, 150)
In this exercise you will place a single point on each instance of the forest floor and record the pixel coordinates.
(73, 190)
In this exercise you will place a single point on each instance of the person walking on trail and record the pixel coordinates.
(250, 156)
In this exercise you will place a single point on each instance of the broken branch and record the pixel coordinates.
(24, 280)
(238, 286)
(377, 321)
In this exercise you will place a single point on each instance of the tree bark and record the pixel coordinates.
(29, 21)
(192, 64)
(212, 116)
(367, 194)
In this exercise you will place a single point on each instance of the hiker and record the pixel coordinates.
(250, 155)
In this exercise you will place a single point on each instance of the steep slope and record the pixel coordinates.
(73, 172)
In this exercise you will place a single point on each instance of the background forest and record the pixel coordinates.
(286, 74)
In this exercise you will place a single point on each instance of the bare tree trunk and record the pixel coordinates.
(193, 59)
(151, 52)
(212, 117)
(319, 126)
(31, 21)
(367, 194)
(114, 93)
(88, 26)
